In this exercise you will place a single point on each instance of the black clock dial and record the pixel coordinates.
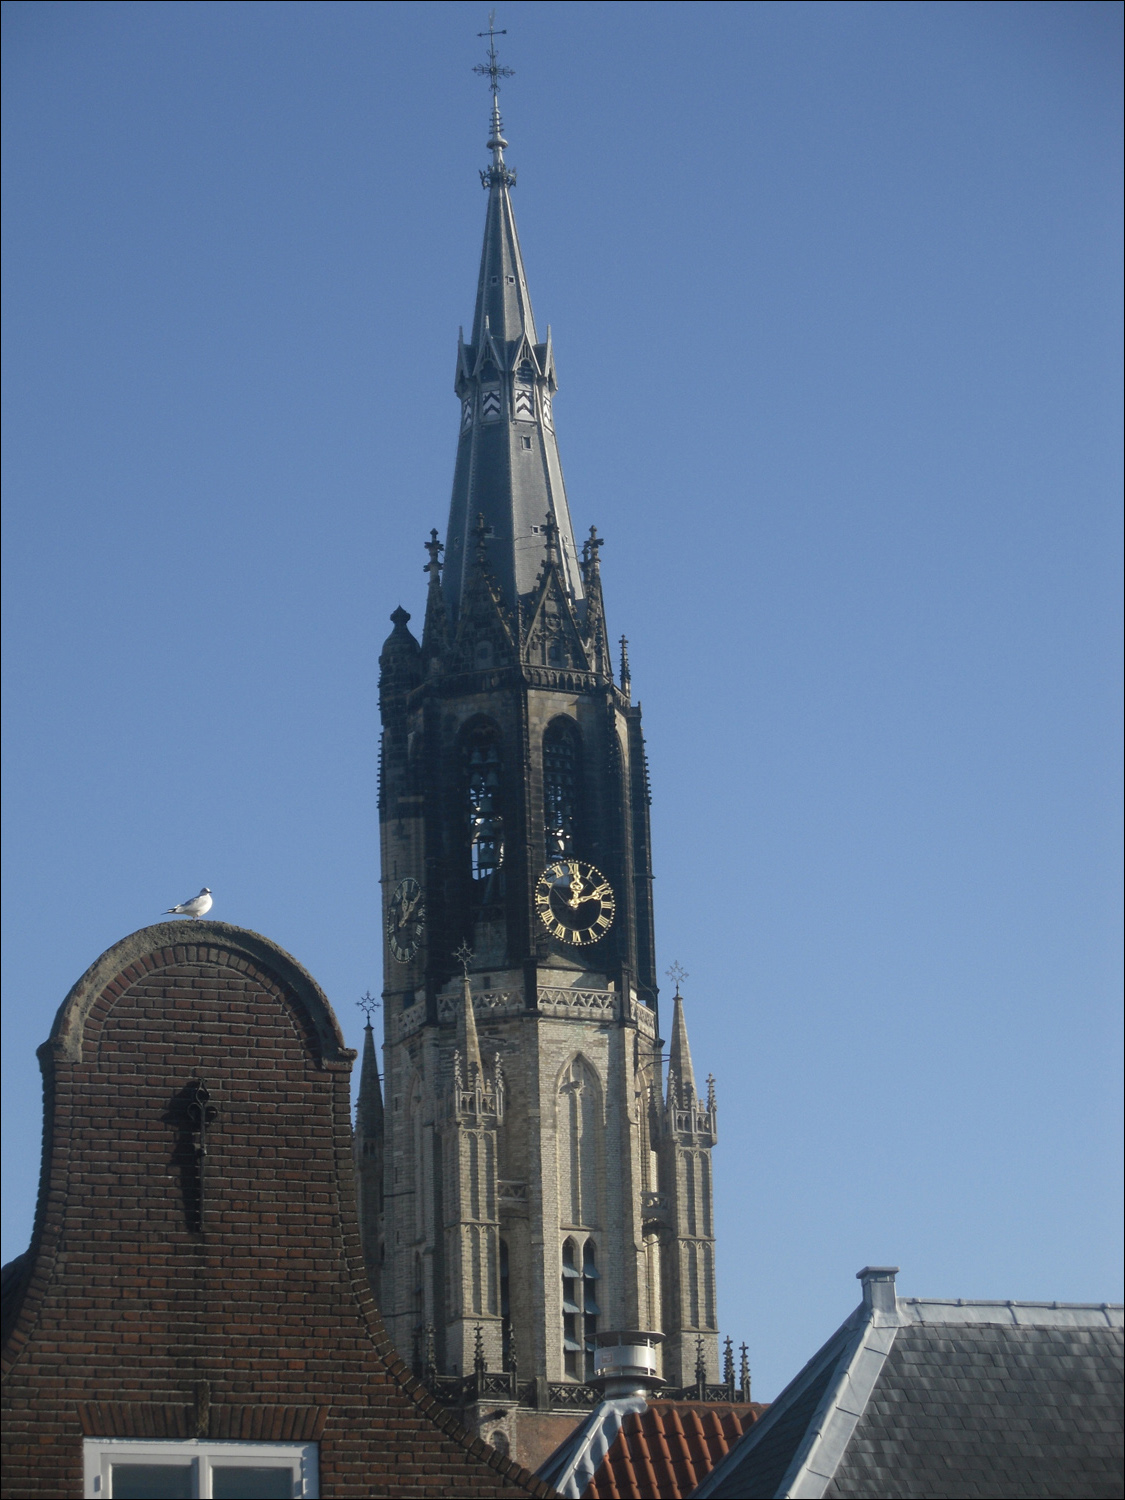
(406, 920)
(575, 902)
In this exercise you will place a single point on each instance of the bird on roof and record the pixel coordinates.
(198, 906)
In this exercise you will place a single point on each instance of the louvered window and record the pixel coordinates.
(561, 787)
(485, 815)
(580, 1307)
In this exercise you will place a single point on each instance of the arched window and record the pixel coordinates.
(580, 1308)
(485, 817)
(562, 770)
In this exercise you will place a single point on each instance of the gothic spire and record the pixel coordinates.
(369, 1106)
(435, 632)
(507, 467)
(679, 1059)
(467, 1043)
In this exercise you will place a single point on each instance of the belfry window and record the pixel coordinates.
(561, 787)
(485, 818)
(580, 1308)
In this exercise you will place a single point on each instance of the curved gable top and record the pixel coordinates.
(172, 942)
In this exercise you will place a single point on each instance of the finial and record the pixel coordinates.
(480, 1365)
(728, 1361)
(368, 1005)
(480, 532)
(744, 1373)
(464, 955)
(435, 549)
(677, 973)
(493, 71)
(551, 532)
(700, 1364)
(590, 549)
(626, 679)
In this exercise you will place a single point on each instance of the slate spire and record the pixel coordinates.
(369, 1106)
(467, 1043)
(507, 467)
(679, 1058)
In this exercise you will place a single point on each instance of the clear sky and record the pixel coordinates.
(835, 295)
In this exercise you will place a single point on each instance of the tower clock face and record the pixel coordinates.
(574, 901)
(406, 920)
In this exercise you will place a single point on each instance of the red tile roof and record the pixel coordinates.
(664, 1452)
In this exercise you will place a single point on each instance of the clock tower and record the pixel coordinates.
(543, 1181)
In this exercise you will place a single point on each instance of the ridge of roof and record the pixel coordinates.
(576, 1460)
(770, 1429)
(1017, 1314)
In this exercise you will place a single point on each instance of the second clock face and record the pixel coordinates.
(406, 920)
(574, 901)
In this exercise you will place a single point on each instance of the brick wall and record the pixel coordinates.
(148, 1306)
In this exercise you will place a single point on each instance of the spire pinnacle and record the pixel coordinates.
(433, 567)
(467, 1042)
(369, 1107)
(551, 539)
(494, 71)
(679, 1058)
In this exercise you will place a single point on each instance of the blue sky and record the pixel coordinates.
(835, 295)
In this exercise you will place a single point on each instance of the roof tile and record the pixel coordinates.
(663, 1453)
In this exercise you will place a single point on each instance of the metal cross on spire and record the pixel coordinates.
(464, 956)
(492, 69)
(369, 1005)
(677, 973)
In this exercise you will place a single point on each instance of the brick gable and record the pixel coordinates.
(156, 1303)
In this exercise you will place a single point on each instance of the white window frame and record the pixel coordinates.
(98, 1454)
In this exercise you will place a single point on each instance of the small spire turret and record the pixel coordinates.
(435, 630)
(679, 1060)
(468, 1043)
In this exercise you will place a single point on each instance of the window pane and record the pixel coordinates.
(246, 1482)
(151, 1481)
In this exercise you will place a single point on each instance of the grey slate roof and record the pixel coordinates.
(507, 469)
(947, 1399)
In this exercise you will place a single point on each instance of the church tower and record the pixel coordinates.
(541, 1182)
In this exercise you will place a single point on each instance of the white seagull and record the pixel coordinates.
(198, 906)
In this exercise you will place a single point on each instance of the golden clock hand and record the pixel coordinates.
(576, 896)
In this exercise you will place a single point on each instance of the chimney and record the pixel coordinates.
(879, 1288)
(625, 1364)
